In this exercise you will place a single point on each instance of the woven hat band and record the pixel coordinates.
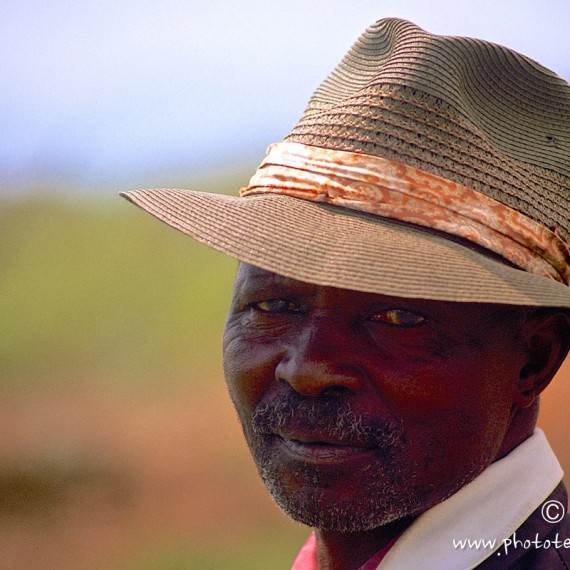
(386, 188)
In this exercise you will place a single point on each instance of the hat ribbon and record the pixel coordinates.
(390, 189)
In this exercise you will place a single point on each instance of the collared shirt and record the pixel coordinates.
(489, 508)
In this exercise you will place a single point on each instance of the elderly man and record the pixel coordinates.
(402, 300)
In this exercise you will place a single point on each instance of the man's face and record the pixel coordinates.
(359, 408)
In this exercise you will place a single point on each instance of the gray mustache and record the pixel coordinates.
(332, 419)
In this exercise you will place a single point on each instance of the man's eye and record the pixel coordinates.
(398, 318)
(276, 306)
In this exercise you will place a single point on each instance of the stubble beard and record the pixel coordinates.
(379, 492)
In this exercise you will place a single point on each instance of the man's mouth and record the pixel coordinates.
(324, 432)
(318, 452)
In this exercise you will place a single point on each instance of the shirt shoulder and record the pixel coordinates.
(541, 543)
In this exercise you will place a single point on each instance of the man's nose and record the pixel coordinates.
(321, 358)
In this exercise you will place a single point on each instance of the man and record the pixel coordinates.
(402, 300)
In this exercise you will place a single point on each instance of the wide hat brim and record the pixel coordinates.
(338, 247)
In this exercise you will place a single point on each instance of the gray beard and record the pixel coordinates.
(386, 496)
(378, 505)
(384, 489)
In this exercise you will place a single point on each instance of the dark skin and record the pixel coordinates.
(363, 410)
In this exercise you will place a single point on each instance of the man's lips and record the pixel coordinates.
(317, 450)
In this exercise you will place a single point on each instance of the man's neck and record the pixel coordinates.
(522, 426)
(350, 550)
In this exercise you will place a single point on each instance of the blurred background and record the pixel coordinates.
(119, 449)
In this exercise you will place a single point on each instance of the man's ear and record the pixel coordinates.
(546, 334)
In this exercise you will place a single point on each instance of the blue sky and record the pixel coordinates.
(121, 93)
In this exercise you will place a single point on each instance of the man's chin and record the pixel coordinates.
(341, 509)
(322, 513)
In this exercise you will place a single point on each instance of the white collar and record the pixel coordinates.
(492, 506)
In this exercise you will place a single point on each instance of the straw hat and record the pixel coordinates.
(424, 166)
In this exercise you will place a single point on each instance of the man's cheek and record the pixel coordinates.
(424, 393)
(249, 371)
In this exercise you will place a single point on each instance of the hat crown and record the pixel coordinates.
(387, 171)
(467, 110)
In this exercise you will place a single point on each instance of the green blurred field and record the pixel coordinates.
(97, 288)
